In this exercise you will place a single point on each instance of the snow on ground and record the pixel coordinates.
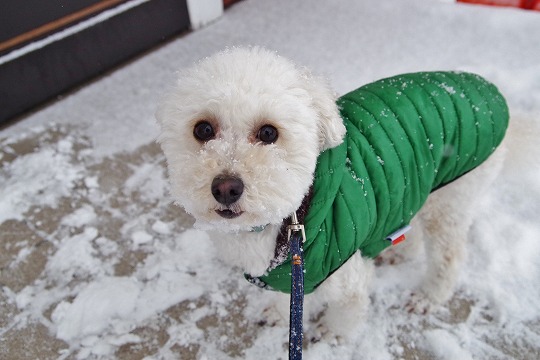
(119, 269)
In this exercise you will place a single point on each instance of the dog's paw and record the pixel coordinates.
(271, 316)
(419, 303)
(320, 332)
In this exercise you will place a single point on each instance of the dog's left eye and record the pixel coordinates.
(267, 134)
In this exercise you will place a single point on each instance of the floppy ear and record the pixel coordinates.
(329, 122)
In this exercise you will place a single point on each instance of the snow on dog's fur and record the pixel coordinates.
(232, 99)
(239, 91)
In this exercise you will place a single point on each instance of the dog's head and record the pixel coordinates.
(241, 131)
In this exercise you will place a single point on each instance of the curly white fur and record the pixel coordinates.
(238, 91)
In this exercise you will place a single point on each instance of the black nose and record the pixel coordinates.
(227, 189)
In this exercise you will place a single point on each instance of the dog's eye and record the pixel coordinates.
(203, 131)
(267, 134)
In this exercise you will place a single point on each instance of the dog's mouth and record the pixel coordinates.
(229, 214)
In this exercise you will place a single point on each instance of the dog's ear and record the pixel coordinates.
(329, 122)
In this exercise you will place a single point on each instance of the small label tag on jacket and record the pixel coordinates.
(398, 236)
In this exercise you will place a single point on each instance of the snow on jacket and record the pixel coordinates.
(406, 136)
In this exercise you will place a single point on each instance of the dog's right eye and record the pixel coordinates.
(203, 131)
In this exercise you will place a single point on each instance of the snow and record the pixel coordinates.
(141, 237)
(86, 297)
(104, 303)
(48, 173)
(76, 257)
(161, 228)
(80, 217)
(445, 346)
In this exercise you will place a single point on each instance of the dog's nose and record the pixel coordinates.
(227, 189)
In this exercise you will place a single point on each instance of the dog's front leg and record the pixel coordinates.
(340, 303)
(276, 309)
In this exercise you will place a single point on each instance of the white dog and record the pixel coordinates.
(242, 131)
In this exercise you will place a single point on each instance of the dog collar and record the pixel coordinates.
(282, 248)
(259, 228)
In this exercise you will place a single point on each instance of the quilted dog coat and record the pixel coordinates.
(406, 136)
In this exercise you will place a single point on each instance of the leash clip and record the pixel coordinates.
(294, 227)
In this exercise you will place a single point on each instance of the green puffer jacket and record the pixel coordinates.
(406, 136)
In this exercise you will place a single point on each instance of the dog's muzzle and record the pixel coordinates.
(227, 190)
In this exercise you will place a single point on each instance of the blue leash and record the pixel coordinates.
(296, 236)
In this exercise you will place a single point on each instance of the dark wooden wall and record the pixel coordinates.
(42, 74)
